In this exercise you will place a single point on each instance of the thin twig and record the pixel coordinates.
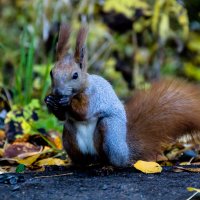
(55, 175)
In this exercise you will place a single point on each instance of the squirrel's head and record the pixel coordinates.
(69, 75)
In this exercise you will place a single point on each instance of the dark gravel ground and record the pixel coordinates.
(95, 183)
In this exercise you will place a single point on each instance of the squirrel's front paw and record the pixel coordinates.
(55, 107)
(51, 103)
(55, 103)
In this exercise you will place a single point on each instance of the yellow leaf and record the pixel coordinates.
(148, 167)
(191, 189)
(50, 161)
(29, 160)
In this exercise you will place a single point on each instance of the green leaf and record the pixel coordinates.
(20, 168)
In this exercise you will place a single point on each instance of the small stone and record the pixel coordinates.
(13, 180)
(105, 187)
(16, 187)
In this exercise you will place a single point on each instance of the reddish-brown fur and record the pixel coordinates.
(160, 115)
(79, 106)
(78, 110)
(69, 142)
(62, 45)
(80, 42)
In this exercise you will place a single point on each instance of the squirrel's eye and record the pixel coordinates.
(75, 75)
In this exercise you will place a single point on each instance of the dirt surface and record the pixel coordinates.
(95, 183)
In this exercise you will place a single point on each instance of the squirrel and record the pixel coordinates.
(99, 128)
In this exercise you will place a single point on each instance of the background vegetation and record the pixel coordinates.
(130, 42)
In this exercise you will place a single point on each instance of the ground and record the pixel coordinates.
(95, 183)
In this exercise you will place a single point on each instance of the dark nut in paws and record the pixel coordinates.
(64, 100)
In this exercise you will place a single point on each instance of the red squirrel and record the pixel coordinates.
(99, 128)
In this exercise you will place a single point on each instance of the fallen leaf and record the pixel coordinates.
(191, 189)
(2, 135)
(22, 138)
(50, 161)
(184, 163)
(148, 167)
(20, 168)
(27, 161)
(17, 148)
(166, 163)
(195, 163)
(7, 169)
(1, 152)
(29, 158)
(2, 171)
(56, 139)
(28, 154)
(180, 169)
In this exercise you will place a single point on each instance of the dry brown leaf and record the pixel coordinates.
(30, 157)
(8, 169)
(181, 169)
(2, 135)
(17, 148)
(56, 139)
(28, 154)
(2, 171)
(23, 138)
(148, 167)
(195, 163)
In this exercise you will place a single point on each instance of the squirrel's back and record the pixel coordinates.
(103, 99)
(158, 116)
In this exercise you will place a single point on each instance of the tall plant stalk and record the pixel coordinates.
(23, 87)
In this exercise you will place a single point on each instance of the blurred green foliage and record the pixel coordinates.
(30, 120)
(130, 43)
(162, 40)
(133, 41)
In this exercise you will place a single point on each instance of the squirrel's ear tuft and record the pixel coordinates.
(62, 44)
(80, 49)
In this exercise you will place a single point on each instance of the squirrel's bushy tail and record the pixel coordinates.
(160, 115)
